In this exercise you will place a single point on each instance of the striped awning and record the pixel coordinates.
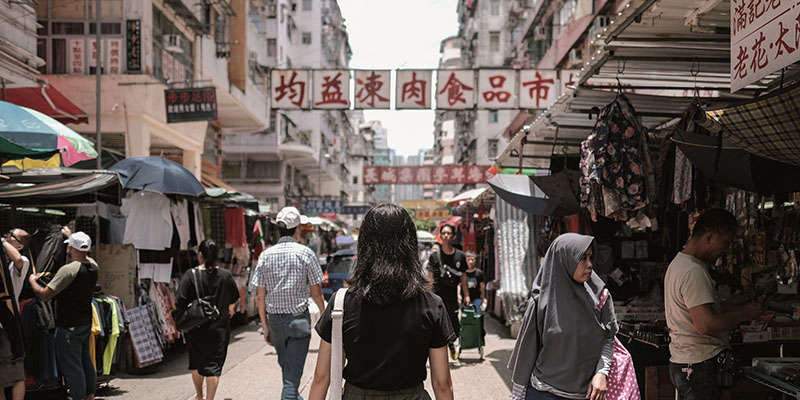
(517, 260)
(62, 187)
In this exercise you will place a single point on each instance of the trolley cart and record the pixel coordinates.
(471, 332)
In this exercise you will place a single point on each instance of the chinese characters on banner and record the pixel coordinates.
(497, 88)
(438, 174)
(455, 89)
(323, 206)
(133, 45)
(332, 89)
(196, 104)
(76, 51)
(433, 214)
(373, 89)
(290, 89)
(765, 36)
(413, 89)
(113, 50)
(537, 88)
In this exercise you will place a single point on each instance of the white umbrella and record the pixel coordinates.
(423, 236)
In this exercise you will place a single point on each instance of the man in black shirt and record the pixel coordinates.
(446, 270)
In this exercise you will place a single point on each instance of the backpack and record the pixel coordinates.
(448, 275)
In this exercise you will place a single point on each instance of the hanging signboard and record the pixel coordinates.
(77, 56)
(455, 89)
(437, 174)
(497, 88)
(195, 104)
(332, 89)
(372, 89)
(433, 214)
(113, 49)
(290, 89)
(764, 38)
(133, 45)
(537, 89)
(413, 89)
(355, 210)
(323, 206)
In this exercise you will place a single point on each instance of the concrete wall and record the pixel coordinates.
(18, 60)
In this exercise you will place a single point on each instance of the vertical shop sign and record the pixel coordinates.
(497, 88)
(413, 89)
(133, 45)
(290, 89)
(537, 89)
(765, 36)
(195, 104)
(372, 89)
(332, 89)
(166, 65)
(92, 53)
(455, 89)
(113, 48)
(77, 56)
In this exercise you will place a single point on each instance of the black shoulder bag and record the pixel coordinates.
(447, 274)
(197, 313)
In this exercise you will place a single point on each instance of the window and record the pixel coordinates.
(306, 37)
(263, 170)
(41, 51)
(42, 29)
(565, 13)
(495, 7)
(492, 148)
(355, 180)
(67, 28)
(294, 6)
(494, 41)
(306, 5)
(271, 44)
(273, 120)
(492, 116)
(59, 59)
(107, 28)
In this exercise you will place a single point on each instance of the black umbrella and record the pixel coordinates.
(562, 188)
(736, 167)
(521, 192)
(157, 174)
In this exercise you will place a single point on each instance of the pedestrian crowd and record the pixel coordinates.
(398, 315)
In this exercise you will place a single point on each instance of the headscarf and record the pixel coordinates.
(562, 333)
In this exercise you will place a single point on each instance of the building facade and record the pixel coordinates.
(303, 155)
(19, 62)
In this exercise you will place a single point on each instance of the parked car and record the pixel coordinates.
(339, 268)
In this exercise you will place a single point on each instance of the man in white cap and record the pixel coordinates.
(72, 286)
(285, 275)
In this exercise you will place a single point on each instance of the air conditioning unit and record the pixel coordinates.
(540, 33)
(271, 10)
(172, 43)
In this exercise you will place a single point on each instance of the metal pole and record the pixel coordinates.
(98, 67)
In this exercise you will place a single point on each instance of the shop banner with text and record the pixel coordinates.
(765, 37)
(435, 174)
(452, 89)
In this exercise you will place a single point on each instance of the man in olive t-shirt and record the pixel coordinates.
(698, 322)
(72, 286)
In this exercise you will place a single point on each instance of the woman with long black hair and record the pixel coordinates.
(208, 344)
(392, 323)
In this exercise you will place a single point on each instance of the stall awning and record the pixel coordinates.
(765, 126)
(49, 101)
(210, 181)
(63, 186)
(469, 195)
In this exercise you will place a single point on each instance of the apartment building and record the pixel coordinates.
(146, 47)
(18, 60)
(444, 124)
(303, 154)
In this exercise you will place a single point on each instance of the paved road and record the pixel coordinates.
(251, 371)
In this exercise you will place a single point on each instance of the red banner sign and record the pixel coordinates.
(435, 174)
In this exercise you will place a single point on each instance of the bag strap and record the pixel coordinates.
(337, 346)
(603, 298)
(196, 283)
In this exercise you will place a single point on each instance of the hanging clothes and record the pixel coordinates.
(96, 331)
(156, 272)
(180, 215)
(108, 352)
(40, 345)
(149, 225)
(146, 347)
(235, 235)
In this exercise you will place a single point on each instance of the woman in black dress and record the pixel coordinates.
(208, 343)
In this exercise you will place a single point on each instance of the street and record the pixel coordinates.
(251, 371)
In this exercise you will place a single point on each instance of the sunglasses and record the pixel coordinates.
(12, 235)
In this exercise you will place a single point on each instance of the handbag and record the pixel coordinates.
(198, 312)
(337, 346)
(622, 384)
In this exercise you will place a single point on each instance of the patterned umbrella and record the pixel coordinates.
(26, 132)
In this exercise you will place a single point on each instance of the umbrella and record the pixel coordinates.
(26, 132)
(521, 192)
(736, 166)
(562, 188)
(425, 237)
(157, 174)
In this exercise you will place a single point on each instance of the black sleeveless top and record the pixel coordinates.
(74, 304)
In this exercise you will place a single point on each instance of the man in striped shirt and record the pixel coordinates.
(285, 276)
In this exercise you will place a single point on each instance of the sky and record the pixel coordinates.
(395, 34)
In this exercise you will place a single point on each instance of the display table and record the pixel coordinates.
(771, 382)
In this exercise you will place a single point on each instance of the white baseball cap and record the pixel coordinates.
(79, 241)
(290, 217)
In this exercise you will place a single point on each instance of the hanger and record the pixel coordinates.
(620, 70)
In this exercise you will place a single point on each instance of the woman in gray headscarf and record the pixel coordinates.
(566, 344)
